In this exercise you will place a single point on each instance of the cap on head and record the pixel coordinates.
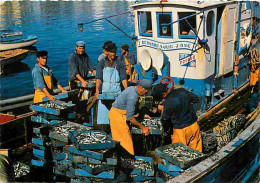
(111, 47)
(125, 46)
(158, 91)
(105, 44)
(42, 53)
(81, 43)
(145, 83)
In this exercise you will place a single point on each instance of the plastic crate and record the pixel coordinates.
(141, 170)
(176, 160)
(67, 108)
(155, 127)
(64, 137)
(108, 143)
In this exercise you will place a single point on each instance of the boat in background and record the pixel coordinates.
(13, 40)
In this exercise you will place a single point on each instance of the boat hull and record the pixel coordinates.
(15, 45)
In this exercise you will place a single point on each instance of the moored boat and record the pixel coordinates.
(13, 40)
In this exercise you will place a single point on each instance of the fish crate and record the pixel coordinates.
(53, 107)
(41, 120)
(108, 161)
(61, 133)
(91, 83)
(108, 96)
(103, 175)
(154, 124)
(38, 162)
(20, 169)
(90, 140)
(164, 169)
(77, 159)
(171, 167)
(99, 154)
(141, 178)
(94, 168)
(162, 177)
(180, 155)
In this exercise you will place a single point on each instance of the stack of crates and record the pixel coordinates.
(176, 158)
(93, 160)
(140, 169)
(49, 114)
(59, 137)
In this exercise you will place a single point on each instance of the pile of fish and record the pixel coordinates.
(209, 143)
(20, 169)
(181, 154)
(91, 138)
(53, 105)
(176, 158)
(154, 124)
(227, 129)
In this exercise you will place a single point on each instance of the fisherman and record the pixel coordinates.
(79, 67)
(103, 56)
(43, 79)
(128, 58)
(178, 113)
(123, 110)
(110, 72)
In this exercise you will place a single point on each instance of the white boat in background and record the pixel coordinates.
(13, 40)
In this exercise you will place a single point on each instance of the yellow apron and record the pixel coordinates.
(81, 91)
(189, 136)
(38, 94)
(120, 130)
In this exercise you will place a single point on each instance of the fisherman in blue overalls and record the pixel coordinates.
(110, 74)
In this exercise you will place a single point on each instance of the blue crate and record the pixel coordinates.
(77, 159)
(103, 175)
(154, 129)
(39, 120)
(91, 146)
(39, 163)
(59, 156)
(39, 157)
(164, 169)
(141, 178)
(91, 83)
(38, 152)
(65, 137)
(38, 141)
(141, 171)
(175, 161)
(40, 147)
(171, 167)
(99, 155)
(56, 112)
(94, 170)
(57, 143)
(108, 96)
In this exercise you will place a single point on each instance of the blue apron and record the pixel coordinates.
(111, 84)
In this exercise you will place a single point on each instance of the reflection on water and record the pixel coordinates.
(55, 25)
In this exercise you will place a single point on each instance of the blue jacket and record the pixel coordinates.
(79, 64)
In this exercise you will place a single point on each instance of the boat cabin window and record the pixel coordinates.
(145, 23)
(164, 25)
(185, 28)
(210, 23)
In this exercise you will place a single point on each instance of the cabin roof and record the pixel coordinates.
(188, 4)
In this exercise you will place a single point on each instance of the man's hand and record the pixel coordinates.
(50, 97)
(145, 130)
(84, 84)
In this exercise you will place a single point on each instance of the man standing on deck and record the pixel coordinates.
(79, 67)
(123, 110)
(128, 59)
(43, 79)
(178, 113)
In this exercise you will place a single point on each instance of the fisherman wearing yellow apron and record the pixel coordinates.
(128, 59)
(110, 75)
(79, 68)
(123, 110)
(178, 113)
(43, 80)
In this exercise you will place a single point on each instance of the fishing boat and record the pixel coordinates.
(13, 40)
(201, 46)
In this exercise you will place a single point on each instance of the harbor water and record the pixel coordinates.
(56, 26)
